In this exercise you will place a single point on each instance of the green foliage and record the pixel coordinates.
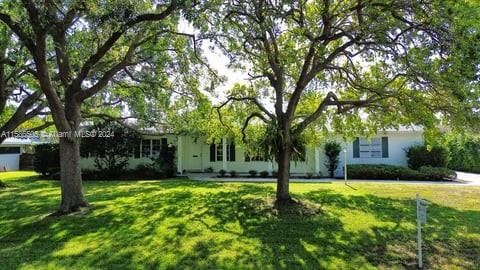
(464, 152)
(164, 163)
(245, 226)
(233, 173)
(421, 155)
(2, 185)
(46, 159)
(391, 172)
(253, 173)
(437, 173)
(111, 145)
(222, 173)
(264, 174)
(332, 150)
(382, 172)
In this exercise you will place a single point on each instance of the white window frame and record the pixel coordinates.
(370, 148)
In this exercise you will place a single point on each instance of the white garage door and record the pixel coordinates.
(10, 161)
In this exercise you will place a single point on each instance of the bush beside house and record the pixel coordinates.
(46, 159)
(464, 153)
(391, 172)
(420, 155)
(332, 151)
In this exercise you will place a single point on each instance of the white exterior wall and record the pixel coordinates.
(195, 156)
(89, 163)
(10, 161)
(397, 143)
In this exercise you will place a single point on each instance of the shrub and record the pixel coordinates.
(111, 153)
(252, 173)
(147, 172)
(437, 173)
(233, 173)
(274, 173)
(46, 159)
(419, 155)
(222, 173)
(264, 174)
(164, 163)
(391, 172)
(309, 175)
(382, 171)
(332, 151)
(209, 170)
(464, 153)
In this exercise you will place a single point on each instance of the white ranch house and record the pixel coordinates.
(196, 155)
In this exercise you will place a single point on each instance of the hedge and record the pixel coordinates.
(46, 159)
(391, 172)
(419, 155)
(464, 153)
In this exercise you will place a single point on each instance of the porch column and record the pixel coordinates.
(224, 153)
(180, 154)
(317, 161)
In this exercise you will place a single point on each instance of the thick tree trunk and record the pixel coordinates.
(71, 177)
(283, 180)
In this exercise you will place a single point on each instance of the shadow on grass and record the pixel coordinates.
(206, 225)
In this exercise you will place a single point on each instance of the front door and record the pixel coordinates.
(193, 149)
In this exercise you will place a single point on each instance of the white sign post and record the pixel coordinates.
(345, 173)
(421, 219)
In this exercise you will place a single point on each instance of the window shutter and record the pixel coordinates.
(212, 152)
(232, 152)
(384, 147)
(356, 148)
(164, 142)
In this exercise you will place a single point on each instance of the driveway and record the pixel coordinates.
(469, 178)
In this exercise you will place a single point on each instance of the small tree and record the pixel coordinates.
(332, 150)
(165, 162)
(111, 145)
(46, 159)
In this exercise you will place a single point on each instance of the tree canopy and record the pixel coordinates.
(350, 66)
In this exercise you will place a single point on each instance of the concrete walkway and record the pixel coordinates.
(464, 179)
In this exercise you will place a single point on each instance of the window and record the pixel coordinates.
(370, 148)
(219, 152)
(146, 148)
(9, 150)
(156, 146)
(216, 152)
(136, 150)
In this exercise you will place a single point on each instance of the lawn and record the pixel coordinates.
(180, 224)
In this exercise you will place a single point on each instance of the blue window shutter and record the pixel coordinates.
(232, 152)
(384, 147)
(212, 152)
(356, 148)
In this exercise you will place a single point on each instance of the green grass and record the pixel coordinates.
(178, 224)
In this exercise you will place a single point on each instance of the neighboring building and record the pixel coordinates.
(196, 155)
(12, 148)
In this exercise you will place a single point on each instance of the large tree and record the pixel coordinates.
(87, 52)
(347, 65)
(20, 98)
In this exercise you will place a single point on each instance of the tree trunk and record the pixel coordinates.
(283, 180)
(71, 176)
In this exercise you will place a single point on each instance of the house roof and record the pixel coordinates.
(23, 140)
